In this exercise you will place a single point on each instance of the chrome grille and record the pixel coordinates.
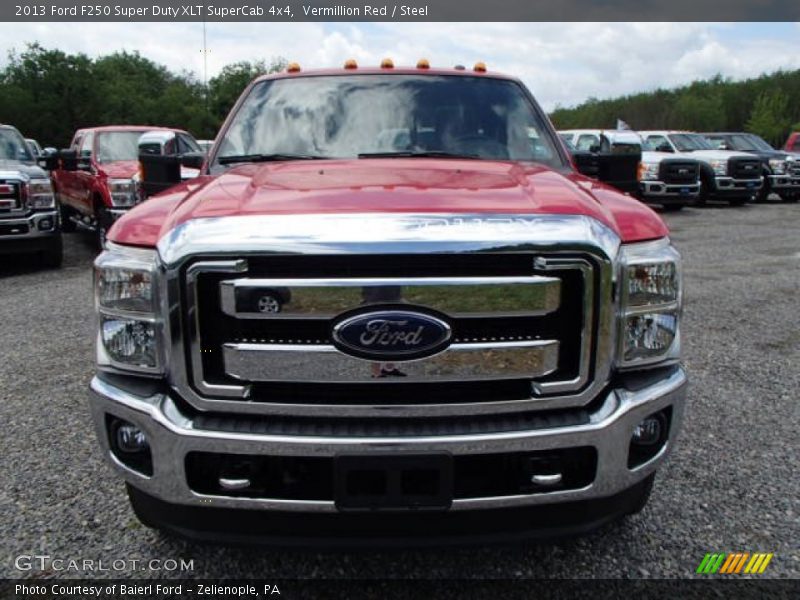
(11, 196)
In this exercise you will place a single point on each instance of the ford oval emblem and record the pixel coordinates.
(391, 335)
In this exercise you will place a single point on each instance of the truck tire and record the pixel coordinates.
(738, 201)
(65, 216)
(53, 255)
(672, 207)
(102, 223)
(789, 197)
(645, 489)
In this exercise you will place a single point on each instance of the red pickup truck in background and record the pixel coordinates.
(97, 180)
(793, 142)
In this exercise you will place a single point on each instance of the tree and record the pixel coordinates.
(769, 116)
(225, 88)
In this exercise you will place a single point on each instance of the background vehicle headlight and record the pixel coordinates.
(650, 304)
(130, 335)
(777, 166)
(648, 171)
(720, 167)
(40, 194)
(123, 192)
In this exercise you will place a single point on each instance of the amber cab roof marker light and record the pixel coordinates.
(293, 67)
(423, 63)
(350, 63)
(387, 63)
(480, 67)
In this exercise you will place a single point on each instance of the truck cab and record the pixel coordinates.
(479, 342)
(781, 170)
(724, 174)
(28, 219)
(96, 182)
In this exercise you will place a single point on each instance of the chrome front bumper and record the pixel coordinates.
(660, 189)
(30, 226)
(784, 182)
(729, 184)
(172, 435)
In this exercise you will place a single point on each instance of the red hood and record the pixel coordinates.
(389, 186)
(120, 169)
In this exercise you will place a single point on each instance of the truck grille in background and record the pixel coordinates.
(678, 171)
(744, 168)
(10, 196)
(534, 324)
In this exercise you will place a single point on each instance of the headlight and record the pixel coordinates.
(720, 166)
(651, 297)
(648, 171)
(777, 166)
(40, 194)
(123, 192)
(126, 298)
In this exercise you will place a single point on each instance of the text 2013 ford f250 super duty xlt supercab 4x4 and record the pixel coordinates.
(475, 341)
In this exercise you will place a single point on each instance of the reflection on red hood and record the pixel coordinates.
(389, 186)
(120, 169)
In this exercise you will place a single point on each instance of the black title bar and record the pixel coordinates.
(408, 10)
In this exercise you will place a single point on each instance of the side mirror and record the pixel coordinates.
(48, 161)
(586, 163)
(594, 148)
(159, 172)
(193, 160)
(68, 159)
(49, 151)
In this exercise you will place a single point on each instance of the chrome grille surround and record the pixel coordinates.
(224, 245)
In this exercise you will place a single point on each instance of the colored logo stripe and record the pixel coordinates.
(734, 563)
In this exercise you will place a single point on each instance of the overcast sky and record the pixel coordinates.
(562, 63)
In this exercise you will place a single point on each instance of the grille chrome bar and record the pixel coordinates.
(324, 363)
(531, 295)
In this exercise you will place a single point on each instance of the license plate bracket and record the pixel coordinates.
(396, 482)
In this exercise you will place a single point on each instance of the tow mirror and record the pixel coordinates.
(48, 161)
(586, 163)
(193, 160)
(68, 159)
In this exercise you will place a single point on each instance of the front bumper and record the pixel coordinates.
(173, 434)
(784, 183)
(29, 233)
(728, 186)
(661, 192)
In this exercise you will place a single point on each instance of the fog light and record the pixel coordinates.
(649, 437)
(130, 445)
(647, 432)
(131, 439)
(45, 224)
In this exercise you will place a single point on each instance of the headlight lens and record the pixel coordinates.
(777, 166)
(40, 194)
(123, 192)
(130, 328)
(130, 341)
(720, 167)
(648, 171)
(651, 303)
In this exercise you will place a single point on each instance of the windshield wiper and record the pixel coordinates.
(417, 154)
(242, 158)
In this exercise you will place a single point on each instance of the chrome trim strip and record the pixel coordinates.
(172, 436)
(412, 289)
(324, 363)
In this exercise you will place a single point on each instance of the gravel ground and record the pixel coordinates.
(731, 485)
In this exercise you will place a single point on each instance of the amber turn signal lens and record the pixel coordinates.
(480, 67)
(387, 63)
(350, 63)
(293, 67)
(423, 63)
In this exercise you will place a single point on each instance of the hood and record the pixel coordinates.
(719, 154)
(10, 168)
(120, 169)
(387, 186)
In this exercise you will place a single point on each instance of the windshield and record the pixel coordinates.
(117, 145)
(13, 146)
(758, 143)
(688, 142)
(358, 115)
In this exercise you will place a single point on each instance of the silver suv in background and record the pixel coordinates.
(724, 174)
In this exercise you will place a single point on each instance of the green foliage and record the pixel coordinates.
(767, 105)
(48, 94)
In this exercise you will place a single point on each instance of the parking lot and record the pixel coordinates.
(731, 485)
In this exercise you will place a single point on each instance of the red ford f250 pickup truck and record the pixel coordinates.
(97, 180)
(478, 343)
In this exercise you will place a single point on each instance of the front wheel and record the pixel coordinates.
(102, 224)
(789, 197)
(65, 215)
(738, 201)
(672, 207)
